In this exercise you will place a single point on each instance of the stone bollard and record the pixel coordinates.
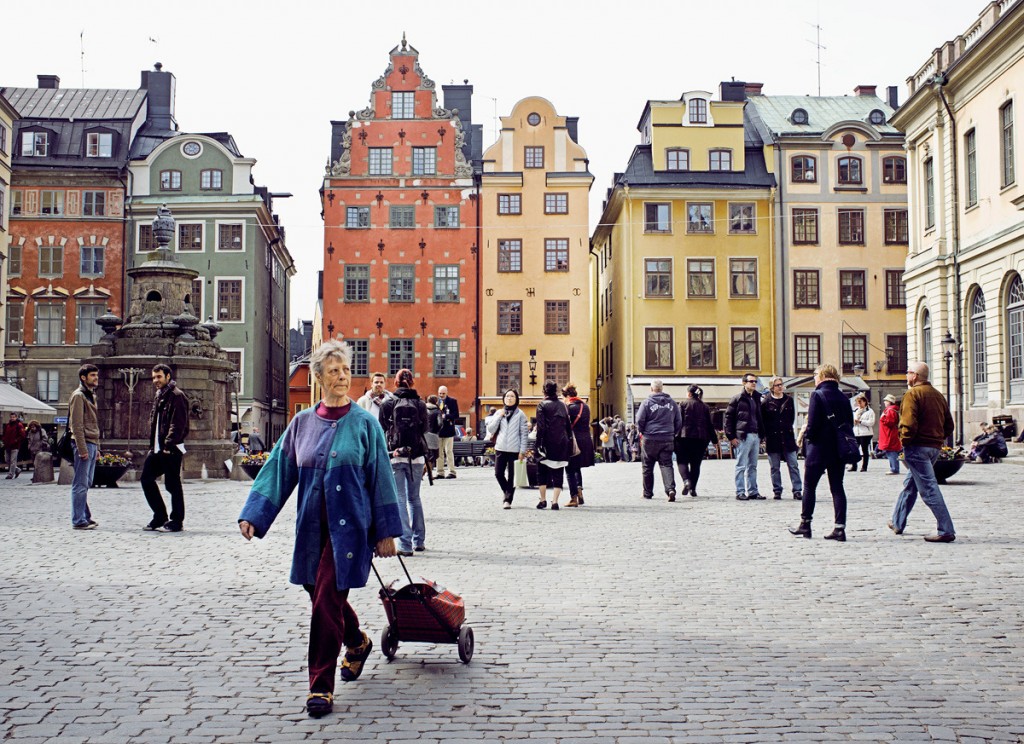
(237, 473)
(42, 467)
(67, 474)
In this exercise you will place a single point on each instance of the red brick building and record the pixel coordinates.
(400, 208)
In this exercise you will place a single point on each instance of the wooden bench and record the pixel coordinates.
(469, 450)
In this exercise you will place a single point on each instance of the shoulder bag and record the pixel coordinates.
(65, 447)
(846, 442)
(572, 434)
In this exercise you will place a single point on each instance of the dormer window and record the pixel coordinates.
(877, 117)
(799, 116)
(698, 111)
(720, 160)
(35, 144)
(403, 104)
(677, 160)
(99, 145)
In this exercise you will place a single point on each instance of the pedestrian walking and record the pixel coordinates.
(608, 452)
(779, 414)
(925, 424)
(827, 411)
(658, 420)
(449, 410)
(404, 420)
(168, 428)
(621, 447)
(509, 430)
(83, 420)
(695, 434)
(433, 427)
(889, 435)
(579, 421)
(347, 508)
(39, 444)
(13, 437)
(863, 429)
(256, 443)
(745, 428)
(633, 440)
(375, 397)
(553, 446)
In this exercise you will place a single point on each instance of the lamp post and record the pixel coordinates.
(598, 382)
(235, 377)
(130, 375)
(948, 347)
(533, 368)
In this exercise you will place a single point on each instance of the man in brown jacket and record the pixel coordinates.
(925, 424)
(85, 428)
(168, 427)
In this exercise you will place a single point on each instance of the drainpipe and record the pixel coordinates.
(782, 338)
(596, 355)
(477, 178)
(128, 251)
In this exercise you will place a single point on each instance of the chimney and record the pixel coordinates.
(865, 90)
(572, 123)
(337, 133)
(48, 81)
(732, 90)
(160, 88)
(461, 97)
(893, 97)
(753, 89)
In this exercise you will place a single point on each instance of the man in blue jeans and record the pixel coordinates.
(744, 427)
(925, 424)
(83, 421)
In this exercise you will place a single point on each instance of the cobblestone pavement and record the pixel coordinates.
(701, 621)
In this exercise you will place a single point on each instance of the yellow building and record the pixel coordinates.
(7, 117)
(534, 272)
(682, 259)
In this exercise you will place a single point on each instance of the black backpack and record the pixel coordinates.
(405, 430)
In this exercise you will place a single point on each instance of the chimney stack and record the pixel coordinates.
(732, 90)
(893, 97)
(160, 96)
(572, 125)
(865, 90)
(48, 81)
(753, 89)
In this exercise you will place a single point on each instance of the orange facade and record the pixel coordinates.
(400, 258)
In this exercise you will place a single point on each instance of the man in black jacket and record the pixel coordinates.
(745, 429)
(449, 410)
(168, 427)
(779, 414)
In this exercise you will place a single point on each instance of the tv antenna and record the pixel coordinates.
(818, 49)
(81, 44)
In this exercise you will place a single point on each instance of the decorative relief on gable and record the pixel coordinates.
(425, 82)
(343, 165)
(115, 200)
(73, 203)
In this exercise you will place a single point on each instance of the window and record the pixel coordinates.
(700, 277)
(897, 227)
(807, 353)
(403, 104)
(510, 376)
(86, 329)
(895, 291)
(556, 204)
(35, 144)
(741, 219)
(357, 217)
(805, 226)
(360, 356)
(702, 348)
(851, 226)
(510, 204)
(658, 218)
(1015, 329)
(877, 117)
(806, 288)
(894, 169)
(94, 203)
(721, 160)
(677, 160)
(380, 161)
(357, 283)
(170, 180)
(424, 161)
(803, 169)
(14, 259)
(402, 218)
(926, 338)
(971, 167)
(17, 199)
(745, 354)
(851, 289)
(3, 139)
(198, 285)
(229, 237)
(979, 360)
(400, 355)
(15, 321)
(556, 254)
(446, 216)
(533, 157)
(700, 218)
(190, 237)
(51, 202)
(658, 348)
(799, 116)
(558, 372)
(929, 193)
(697, 108)
(743, 277)
(51, 260)
(510, 255)
(211, 179)
(99, 144)
(48, 385)
(401, 283)
(896, 353)
(556, 316)
(91, 263)
(510, 317)
(147, 242)
(50, 323)
(855, 353)
(850, 171)
(229, 300)
(1006, 143)
(446, 283)
(446, 357)
(658, 277)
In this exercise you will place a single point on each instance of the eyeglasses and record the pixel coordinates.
(778, 384)
(749, 381)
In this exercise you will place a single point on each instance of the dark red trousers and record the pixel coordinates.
(333, 624)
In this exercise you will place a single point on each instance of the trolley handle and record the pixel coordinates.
(404, 568)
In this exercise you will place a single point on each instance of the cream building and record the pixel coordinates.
(7, 117)
(964, 270)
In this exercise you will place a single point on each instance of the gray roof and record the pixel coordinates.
(640, 172)
(823, 112)
(76, 103)
(150, 137)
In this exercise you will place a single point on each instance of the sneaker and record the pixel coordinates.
(672, 495)
(17, 472)
(154, 525)
(757, 497)
(355, 659)
(319, 704)
(94, 523)
(741, 497)
(507, 505)
(84, 526)
(420, 548)
(686, 487)
(451, 474)
(170, 527)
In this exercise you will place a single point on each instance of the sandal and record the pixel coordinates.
(355, 658)
(319, 704)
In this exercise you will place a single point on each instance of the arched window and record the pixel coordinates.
(803, 169)
(926, 338)
(698, 110)
(1015, 329)
(894, 169)
(877, 117)
(979, 358)
(850, 171)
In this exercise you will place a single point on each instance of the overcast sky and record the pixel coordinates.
(274, 74)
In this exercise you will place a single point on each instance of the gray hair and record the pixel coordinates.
(657, 386)
(336, 349)
(921, 370)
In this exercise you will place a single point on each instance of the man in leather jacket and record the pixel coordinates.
(168, 427)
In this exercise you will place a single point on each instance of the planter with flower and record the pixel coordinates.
(109, 469)
(252, 463)
(950, 460)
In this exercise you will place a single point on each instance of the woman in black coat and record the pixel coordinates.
(822, 442)
(579, 420)
(554, 446)
(691, 442)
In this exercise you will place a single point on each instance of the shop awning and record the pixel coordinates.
(13, 400)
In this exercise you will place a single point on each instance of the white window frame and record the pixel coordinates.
(202, 297)
(216, 232)
(216, 299)
(35, 139)
(78, 321)
(241, 371)
(94, 145)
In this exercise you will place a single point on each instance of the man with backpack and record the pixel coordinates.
(404, 419)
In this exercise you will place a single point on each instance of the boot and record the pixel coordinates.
(838, 534)
(804, 530)
(579, 496)
(573, 501)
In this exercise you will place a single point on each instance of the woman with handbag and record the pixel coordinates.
(691, 442)
(554, 444)
(508, 430)
(579, 420)
(827, 411)
(863, 429)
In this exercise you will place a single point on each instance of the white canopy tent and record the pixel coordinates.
(13, 400)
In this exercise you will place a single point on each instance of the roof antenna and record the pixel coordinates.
(81, 42)
(817, 44)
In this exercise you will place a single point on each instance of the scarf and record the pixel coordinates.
(510, 411)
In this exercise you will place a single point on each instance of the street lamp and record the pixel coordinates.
(598, 382)
(948, 347)
(533, 368)
(234, 377)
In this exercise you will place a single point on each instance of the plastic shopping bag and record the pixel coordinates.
(522, 479)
